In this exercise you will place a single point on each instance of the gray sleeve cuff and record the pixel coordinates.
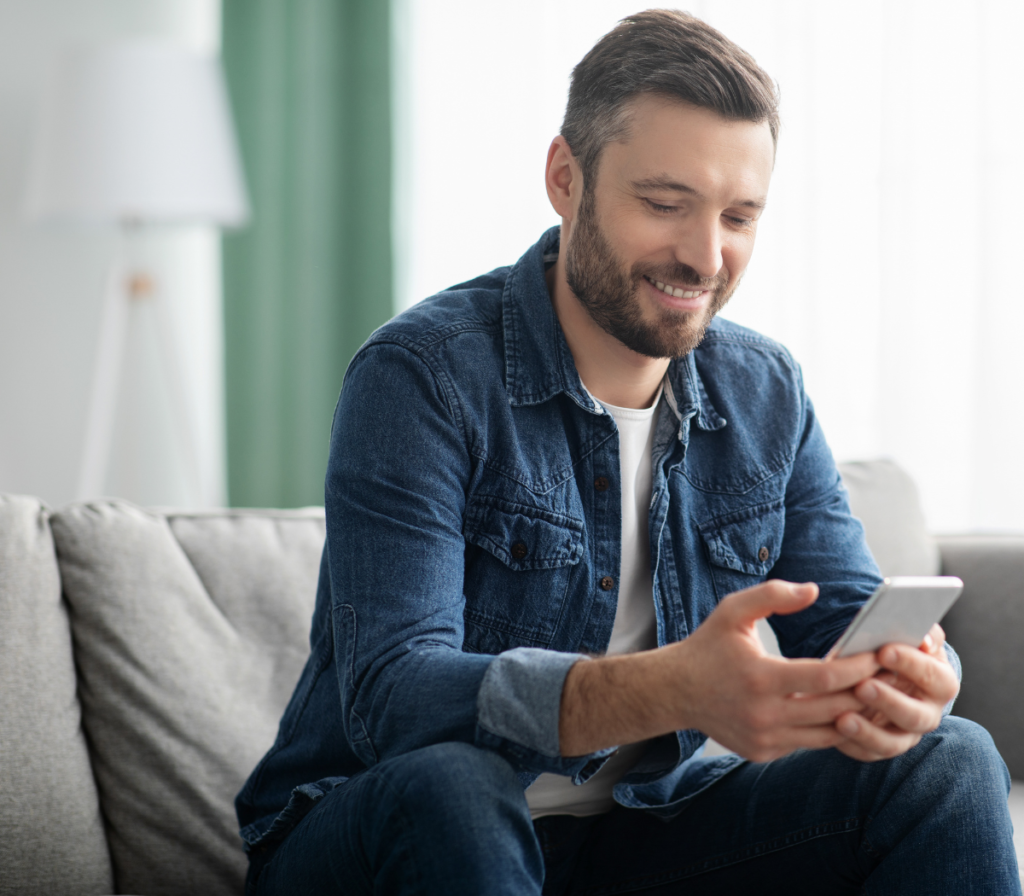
(520, 697)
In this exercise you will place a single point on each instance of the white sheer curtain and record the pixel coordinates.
(887, 259)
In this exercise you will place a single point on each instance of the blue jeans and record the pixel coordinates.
(452, 819)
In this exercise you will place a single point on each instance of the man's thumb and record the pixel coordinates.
(773, 597)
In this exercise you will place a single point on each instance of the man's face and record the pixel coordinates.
(660, 242)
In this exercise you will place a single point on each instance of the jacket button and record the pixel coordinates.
(518, 550)
(607, 583)
(763, 554)
(601, 483)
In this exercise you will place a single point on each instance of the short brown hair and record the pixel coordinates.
(667, 53)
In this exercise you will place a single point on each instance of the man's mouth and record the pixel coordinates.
(675, 291)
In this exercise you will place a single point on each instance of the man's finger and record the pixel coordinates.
(870, 742)
(934, 641)
(820, 709)
(905, 712)
(856, 751)
(818, 677)
(783, 741)
(767, 599)
(931, 675)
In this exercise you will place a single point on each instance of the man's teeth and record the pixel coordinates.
(675, 291)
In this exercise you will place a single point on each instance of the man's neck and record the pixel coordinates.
(612, 373)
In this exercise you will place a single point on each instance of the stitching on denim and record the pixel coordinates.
(545, 485)
(432, 337)
(510, 331)
(753, 341)
(540, 637)
(408, 828)
(569, 533)
(754, 511)
(353, 713)
(447, 389)
(666, 587)
(868, 848)
(773, 466)
(440, 380)
(515, 507)
(735, 857)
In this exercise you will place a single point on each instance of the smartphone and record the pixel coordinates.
(901, 611)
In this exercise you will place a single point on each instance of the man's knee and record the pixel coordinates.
(968, 749)
(419, 821)
(963, 753)
(459, 809)
(455, 779)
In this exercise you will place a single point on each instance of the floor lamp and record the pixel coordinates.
(133, 135)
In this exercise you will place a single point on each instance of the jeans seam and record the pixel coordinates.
(866, 842)
(735, 857)
(406, 826)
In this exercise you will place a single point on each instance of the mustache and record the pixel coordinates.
(681, 275)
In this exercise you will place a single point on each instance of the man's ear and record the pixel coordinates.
(563, 179)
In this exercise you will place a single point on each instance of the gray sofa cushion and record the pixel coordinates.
(886, 500)
(51, 832)
(190, 633)
(985, 627)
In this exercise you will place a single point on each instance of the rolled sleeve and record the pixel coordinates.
(520, 697)
(518, 707)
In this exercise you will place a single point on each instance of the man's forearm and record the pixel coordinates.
(615, 700)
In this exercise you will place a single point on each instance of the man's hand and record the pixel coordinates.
(719, 680)
(761, 706)
(901, 703)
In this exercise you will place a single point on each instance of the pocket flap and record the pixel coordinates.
(748, 541)
(523, 537)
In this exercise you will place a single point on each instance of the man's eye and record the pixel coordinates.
(740, 222)
(661, 209)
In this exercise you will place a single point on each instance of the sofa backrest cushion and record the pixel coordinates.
(51, 832)
(190, 633)
(886, 500)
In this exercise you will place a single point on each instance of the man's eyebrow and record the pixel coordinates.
(674, 186)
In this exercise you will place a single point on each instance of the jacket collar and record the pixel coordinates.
(538, 363)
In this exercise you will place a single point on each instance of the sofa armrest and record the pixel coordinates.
(986, 626)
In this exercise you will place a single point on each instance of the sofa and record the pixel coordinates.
(146, 656)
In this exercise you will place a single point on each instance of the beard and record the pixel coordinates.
(610, 293)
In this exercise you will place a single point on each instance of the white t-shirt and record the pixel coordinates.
(635, 627)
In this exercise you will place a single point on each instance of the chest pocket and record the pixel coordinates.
(518, 565)
(743, 546)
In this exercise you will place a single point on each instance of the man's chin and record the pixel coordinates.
(675, 336)
(655, 345)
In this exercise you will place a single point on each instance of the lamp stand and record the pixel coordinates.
(127, 284)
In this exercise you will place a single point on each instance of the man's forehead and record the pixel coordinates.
(673, 146)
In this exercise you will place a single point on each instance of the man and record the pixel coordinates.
(559, 497)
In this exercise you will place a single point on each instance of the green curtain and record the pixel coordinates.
(310, 278)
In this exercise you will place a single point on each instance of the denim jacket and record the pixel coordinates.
(473, 540)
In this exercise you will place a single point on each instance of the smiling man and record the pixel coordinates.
(559, 497)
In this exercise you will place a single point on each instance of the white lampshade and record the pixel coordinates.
(136, 132)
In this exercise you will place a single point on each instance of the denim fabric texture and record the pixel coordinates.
(453, 819)
(469, 552)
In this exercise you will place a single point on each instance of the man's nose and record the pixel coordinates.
(700, 247)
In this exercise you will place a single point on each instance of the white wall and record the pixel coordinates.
(52, 281)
